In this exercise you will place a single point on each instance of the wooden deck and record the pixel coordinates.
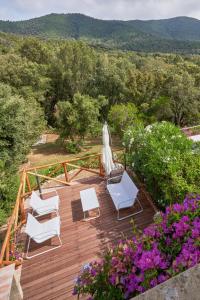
(51, 276)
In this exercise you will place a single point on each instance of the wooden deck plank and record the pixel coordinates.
(51, 276)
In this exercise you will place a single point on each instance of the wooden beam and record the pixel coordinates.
(55, 170)
(8, 248)
(50, 178)
(74, 175)
(83, 169)
(28, 183)
(66, 161)
(6, 239)
(66, 172)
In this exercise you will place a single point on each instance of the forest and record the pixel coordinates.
(179, 34)
(72, 88)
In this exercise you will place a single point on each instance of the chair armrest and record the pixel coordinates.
(109, 179)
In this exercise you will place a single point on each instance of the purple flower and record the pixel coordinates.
(141, 289)
(162, 278)
(168, 247)
(178, 208)
(152, 231)
(153, 282)
(112, 279)
(180, 229)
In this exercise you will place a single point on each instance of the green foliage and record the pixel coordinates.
(79, 117)
(164, 157)
(20, 126)
(73, 146)
(34, 51)
(24, 76)
(71, 69)
(184, 98)
(121, 116)
(179, 34)
(77, 86)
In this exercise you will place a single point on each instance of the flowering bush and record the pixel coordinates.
(15, 255)
(166, 248)
(164, 157)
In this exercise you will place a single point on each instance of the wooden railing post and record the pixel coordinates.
(8, 248)
(28, 183)
(66, 172)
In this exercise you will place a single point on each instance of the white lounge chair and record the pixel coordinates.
(43, 207)
(41, 232)
(124, 194)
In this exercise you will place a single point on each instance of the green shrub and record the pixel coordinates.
(73, 146)
(164, 157)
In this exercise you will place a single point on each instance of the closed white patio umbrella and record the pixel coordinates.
(107, 153)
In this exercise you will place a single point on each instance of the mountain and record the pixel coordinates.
(181, 34)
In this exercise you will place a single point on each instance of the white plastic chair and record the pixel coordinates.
(41, 232)
(43, 207)
(124, 194)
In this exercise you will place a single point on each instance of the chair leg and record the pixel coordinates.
(131, 215)
(91, 218)
(56, 247)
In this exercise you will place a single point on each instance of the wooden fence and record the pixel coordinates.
(18, 217)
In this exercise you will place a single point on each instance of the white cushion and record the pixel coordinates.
(48, 205)
(129, 185)
(123, 193)
(43, 207)
(41, 232)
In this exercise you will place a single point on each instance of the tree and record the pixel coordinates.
(184, 99)
(35, 51)
(25, 77)
(121, 116)
(159, 110)
(79, 117)
(21, 123)
(71, 70)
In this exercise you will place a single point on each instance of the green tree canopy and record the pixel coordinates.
(20, 125)
(121, 116)
(35, 51)
(184, 98)
(79, 117)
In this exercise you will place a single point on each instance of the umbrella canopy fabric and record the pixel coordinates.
(107, 153)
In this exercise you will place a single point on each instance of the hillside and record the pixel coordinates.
(181, 34)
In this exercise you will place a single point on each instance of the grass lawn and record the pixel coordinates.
(52, 151)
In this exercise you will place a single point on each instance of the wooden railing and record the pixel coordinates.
(18, 217)
(16, 220)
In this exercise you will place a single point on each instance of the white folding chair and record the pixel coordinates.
(42, 207)
(124, 194)
(41, 232)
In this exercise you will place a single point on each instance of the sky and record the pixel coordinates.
(102, 9)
